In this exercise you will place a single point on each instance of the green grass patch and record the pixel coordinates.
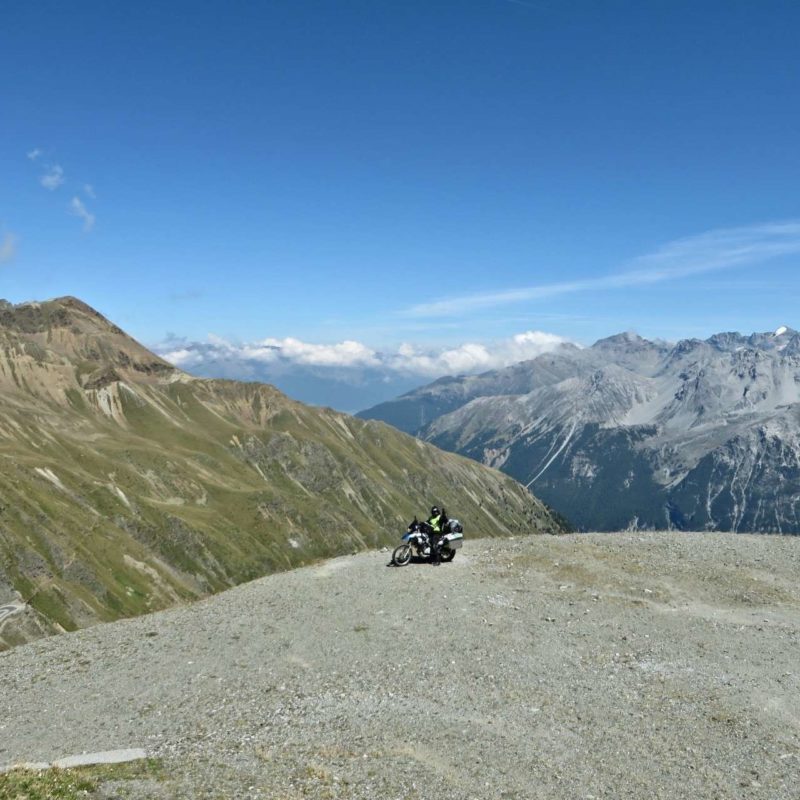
(51, 605)
(71, 784)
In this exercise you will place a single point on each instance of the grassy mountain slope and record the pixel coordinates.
(126, 485)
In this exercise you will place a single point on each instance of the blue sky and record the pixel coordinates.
(390, 172)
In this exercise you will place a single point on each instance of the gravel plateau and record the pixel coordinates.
(628, 665)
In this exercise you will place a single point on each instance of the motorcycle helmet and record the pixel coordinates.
(435, 511)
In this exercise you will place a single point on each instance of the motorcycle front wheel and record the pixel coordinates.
(401, 555)
(447, 555)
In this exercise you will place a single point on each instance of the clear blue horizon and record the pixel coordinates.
(384, 173)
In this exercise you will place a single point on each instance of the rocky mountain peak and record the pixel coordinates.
(67, 330)
(631, 351)
(61, 312)
(626, 339)
(727, 341)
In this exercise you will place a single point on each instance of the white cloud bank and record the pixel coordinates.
(8, 247)
(407, 359)
(709, 252)
(474, 357)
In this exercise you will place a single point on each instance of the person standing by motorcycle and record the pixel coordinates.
(436, 525)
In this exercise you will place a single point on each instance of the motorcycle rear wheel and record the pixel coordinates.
(401, 555)
(447, 555)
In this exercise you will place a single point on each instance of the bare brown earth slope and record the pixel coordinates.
(657, 666)
(127, 485)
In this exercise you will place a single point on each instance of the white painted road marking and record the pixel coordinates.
(83, 760)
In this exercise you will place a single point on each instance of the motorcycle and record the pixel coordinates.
(417, 542)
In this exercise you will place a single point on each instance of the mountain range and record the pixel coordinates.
(631, 433)
(128, 485)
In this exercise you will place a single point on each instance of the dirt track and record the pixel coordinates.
(613, 665)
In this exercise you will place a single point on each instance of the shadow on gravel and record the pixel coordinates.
(414, 560)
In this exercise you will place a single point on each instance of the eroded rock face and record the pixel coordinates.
(126, 485)
(699, 435)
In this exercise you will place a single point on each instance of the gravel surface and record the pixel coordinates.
(583, 666)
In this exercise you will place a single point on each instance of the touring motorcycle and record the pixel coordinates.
(417, 542)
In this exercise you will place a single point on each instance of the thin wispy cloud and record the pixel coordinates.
(78, 209)
(8, 247)
(709, 252)
(53, 178)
